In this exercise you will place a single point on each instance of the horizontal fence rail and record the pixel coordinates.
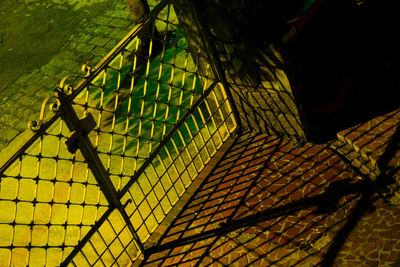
(152, 118)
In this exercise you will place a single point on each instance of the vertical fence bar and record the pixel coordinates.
(74, 124)
(215, 62)
(188, 136)
(166, 139)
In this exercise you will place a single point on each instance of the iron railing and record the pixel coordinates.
(99, 174)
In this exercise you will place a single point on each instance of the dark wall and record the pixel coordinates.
(247, 37)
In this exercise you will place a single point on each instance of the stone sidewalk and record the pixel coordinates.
(22, 100)
(269, 203)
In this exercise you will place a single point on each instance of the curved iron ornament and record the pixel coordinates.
(36, 126)
(64, 87)
(66, 92)
(69, 89)
(90, 73)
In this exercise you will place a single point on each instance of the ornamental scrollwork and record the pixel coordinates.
(66, 87)
(53, 103)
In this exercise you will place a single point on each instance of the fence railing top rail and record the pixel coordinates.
(37, 128)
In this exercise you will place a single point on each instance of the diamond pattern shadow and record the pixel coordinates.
(268, 203)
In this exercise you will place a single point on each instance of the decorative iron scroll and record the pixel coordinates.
(36, 126)
(157, 121)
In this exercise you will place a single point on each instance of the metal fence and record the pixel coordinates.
(115, 153)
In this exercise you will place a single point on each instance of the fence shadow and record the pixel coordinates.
(268, 203)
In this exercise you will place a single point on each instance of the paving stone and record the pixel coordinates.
(3, 142)
(104, 20)
(40, 93)
(368, 142)
(32, 77)
(362, 163)
(122, 14)
(99, 41)
(110, 45)
(48, 82)
(84, 48)
(73, 44)
(69, 65)
(89, 29)
(287, 180)
(57, 62)
(109, 13)
(104, 30)
(83, 58)
(96, 60)
(100, 32)
(121, 7)
(7, 106)
(9, 120)
(33, 113)
(8, 92)
(28, 90)
(120, 23)
(9, 135)
(17, 96)
(100, 51)
(65, 54)
(49, 70)
(84, 38)
(370, 136)
(23, 79)
(30, 102)
(118, 34)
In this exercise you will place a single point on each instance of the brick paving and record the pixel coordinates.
(370, 139)
(268, 203)
(373, 147)
(96, 36)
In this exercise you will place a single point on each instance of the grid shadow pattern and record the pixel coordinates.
(372, 148)
(252, 66)
(49, 200)
(157, 122)
(268, 203)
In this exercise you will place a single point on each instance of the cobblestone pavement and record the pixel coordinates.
(21, 101)
(268, 203)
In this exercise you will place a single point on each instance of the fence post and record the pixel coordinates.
(79, 139)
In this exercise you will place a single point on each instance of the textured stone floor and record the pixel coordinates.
(373, 147)
(371, 138)
(95, 37)
(268, 203)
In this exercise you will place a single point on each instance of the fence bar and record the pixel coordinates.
(28, 143)
(90, 154)
(92, 74)
(67, 97)
(87, 237)
(216, 63)
(166, 139)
